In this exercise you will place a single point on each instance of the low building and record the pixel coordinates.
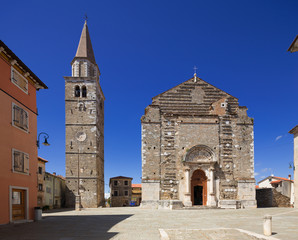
(120, 191)
(283, 185)
(41, 181)
(54, 196)
(18, 126)
(136, 194)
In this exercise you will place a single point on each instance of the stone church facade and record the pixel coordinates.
(84, 129)
(197, 149)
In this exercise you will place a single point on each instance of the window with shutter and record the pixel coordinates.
(20, 161)
(19, 80)
(20, 118)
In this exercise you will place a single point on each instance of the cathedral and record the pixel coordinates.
(197, 149)
(84, 129)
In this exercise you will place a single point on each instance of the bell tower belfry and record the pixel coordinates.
(84, 129)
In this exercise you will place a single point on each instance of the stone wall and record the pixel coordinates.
(84, 159)
(189, 115)
(269, 197)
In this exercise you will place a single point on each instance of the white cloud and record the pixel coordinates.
(256, 173)
(278, 137)
(266, 170)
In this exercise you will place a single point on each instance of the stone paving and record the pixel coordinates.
(135, 223)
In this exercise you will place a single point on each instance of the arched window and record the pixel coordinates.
(77, 91)
(84, 91)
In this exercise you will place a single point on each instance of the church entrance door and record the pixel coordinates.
(199, 188)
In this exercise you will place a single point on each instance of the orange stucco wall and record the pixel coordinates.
(13, 137)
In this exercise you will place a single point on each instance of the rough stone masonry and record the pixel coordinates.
(197, 149)
(84, 129)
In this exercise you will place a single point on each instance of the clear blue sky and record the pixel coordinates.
(146, 47)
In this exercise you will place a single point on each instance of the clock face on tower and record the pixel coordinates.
(81, 136)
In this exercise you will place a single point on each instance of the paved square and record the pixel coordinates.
(135, 223)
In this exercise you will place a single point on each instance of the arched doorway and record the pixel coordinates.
(199, 188)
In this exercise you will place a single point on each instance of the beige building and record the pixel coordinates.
(84, 129)
(41, 181)
(197, 149)
(120, 195)
(294, 131)
(54, 195)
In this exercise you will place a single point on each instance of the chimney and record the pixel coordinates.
(54, 173)
(289, 177)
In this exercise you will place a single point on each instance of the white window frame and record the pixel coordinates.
(26, 204)
(12, 162)
(13, 71)
(12, 117)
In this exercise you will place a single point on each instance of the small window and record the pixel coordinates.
(20, 81)
(84, 91)
(20, 161)
(126, 183)
(115, 183)
(115, 193)
(48, 190)
(40, 170)
(223, 105)
(20, 117)
(125, 193)
(40, 187)
(77, 92)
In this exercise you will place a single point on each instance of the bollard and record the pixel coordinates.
(267, 225)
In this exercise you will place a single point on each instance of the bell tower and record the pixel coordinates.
(84, 129)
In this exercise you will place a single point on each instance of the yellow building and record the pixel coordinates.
(41, 181)
(136, 194)
(54, 191)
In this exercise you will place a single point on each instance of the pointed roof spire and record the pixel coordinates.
(85, 49)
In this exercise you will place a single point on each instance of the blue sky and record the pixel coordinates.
(146, 47)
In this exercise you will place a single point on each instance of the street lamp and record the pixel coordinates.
(45, 139)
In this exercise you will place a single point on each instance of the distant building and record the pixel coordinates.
(120, 191)
(283, 185)
(41, 181)
(136, 194)
(54, 191)
(18, 127)
(294, 131)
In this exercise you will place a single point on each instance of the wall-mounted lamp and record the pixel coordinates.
(45, 139)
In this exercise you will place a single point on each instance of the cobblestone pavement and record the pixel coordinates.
(135, 223)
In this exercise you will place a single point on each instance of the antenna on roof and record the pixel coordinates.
(195, 73)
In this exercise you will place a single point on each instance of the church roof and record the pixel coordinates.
(192, 80)
(85, 49)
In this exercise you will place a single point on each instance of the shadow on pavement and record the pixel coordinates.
(54, 210)
(64, 228)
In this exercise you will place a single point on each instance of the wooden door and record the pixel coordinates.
(199, 188)
(18, 204)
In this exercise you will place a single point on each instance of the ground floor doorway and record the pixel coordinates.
(18, 204)
(199, 188)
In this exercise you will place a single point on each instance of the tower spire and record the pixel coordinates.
(85, 49)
